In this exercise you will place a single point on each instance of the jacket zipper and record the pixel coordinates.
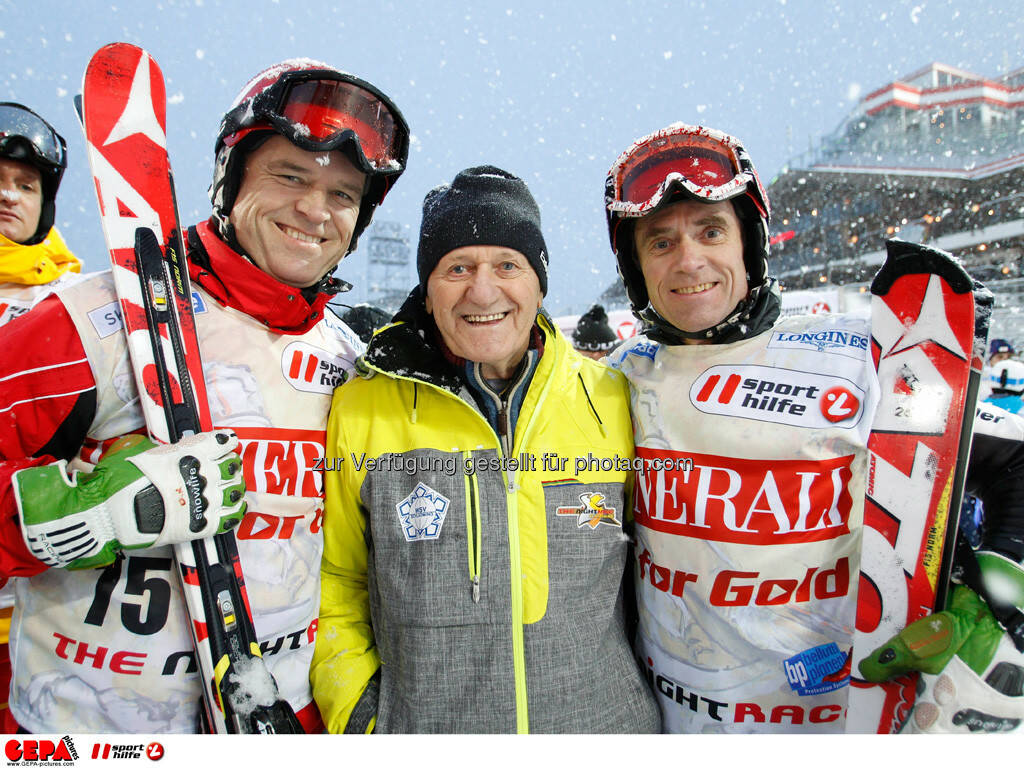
(474, 529)
(515, 554)
(516, 575)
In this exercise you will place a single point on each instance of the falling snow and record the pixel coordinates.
(553, 96)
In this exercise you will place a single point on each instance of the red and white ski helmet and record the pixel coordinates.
(28, 138)
(318, 108)
(686, 162)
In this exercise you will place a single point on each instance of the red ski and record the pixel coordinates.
(123, 111)
(924, 348)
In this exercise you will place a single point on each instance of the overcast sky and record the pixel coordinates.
(550, 91)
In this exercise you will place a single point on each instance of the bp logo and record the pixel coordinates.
(421, 513)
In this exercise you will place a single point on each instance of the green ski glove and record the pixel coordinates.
(139, 495)
(972, 676)
(967, 628)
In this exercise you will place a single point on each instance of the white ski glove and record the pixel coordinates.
(958, 700)
(139, 495)
(972, 675)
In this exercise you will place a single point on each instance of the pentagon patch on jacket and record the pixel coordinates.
(421, 513)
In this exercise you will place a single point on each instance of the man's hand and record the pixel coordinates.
(139, 495)
(972, 676)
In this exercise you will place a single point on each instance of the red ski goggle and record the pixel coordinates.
(319, 112)
(708, 164)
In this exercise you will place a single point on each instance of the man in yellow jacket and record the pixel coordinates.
(33, 257)
(476, 529)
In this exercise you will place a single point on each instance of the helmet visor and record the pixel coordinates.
(326, 112)
(322, 110)
(46, 145)
(705, 163)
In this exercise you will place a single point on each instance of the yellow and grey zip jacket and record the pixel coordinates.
(482, 577)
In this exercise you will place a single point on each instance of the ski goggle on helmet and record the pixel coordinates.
(21, 127)
(707, 164)
(322, 109)
(26, 137)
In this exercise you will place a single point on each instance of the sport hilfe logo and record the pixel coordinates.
(839, 404)
(107, 751)
(781, 395)
(312, 369)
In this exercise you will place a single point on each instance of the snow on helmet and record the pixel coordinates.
(1007, 377)
(26, 137)
(317, 108)
(687, 162)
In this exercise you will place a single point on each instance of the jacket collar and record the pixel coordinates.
(236, 282)
(36, 264)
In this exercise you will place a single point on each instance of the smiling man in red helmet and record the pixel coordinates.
(100, 640)
(748, 556)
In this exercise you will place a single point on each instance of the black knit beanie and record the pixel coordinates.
(593, 333)
(482, 206)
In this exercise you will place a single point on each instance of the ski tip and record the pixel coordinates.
(905, 258)
(119, 47)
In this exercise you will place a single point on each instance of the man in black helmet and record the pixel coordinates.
(33, 257)
(101, 639)
(753, 430)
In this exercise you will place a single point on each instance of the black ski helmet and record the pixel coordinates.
(687, 162)
(28, 138)
(318, 108)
